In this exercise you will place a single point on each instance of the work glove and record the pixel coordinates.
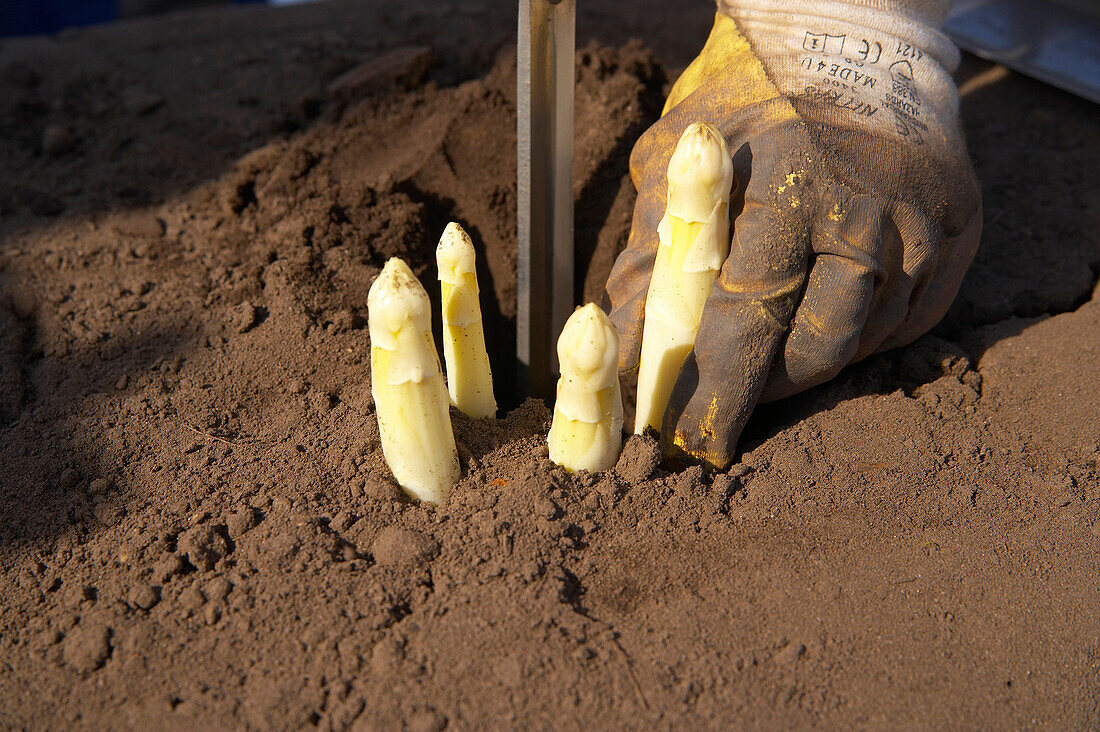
(855, 211)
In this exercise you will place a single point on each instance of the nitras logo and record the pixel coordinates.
(823, 43)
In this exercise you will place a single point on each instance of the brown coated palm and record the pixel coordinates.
(844, 243)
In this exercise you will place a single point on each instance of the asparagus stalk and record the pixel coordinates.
(587, 429)
(469, 379)
(409, 396)
(694, 242)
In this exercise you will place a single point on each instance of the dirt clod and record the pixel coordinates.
(244, 317)
(427, 720)
(167, 568)
(403, 548)
(144, 596)
(640, 457)
(202, 546)
(87, 648)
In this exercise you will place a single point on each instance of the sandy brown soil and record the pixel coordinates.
(196, 525)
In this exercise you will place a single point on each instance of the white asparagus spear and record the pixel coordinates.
(694, 242)
(587, 430)
(469, 380)
(409, 396)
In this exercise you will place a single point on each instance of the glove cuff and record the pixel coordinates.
(875, 65)
(916, 22)
(926, 12)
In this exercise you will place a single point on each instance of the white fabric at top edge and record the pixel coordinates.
(879, 65)
(929, 12)
(916, 21)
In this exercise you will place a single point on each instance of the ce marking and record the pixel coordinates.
(869, 51)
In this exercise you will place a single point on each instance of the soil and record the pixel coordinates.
(197, 528)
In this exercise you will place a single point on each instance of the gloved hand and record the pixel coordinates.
(855, 208)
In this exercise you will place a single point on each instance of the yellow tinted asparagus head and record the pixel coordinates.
(693, 243)
(409, 396)
(586, 433)
(469, 379)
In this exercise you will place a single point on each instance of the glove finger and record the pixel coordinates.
(932, 303)
(748, 311)
(844, 274)
(911, 252)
